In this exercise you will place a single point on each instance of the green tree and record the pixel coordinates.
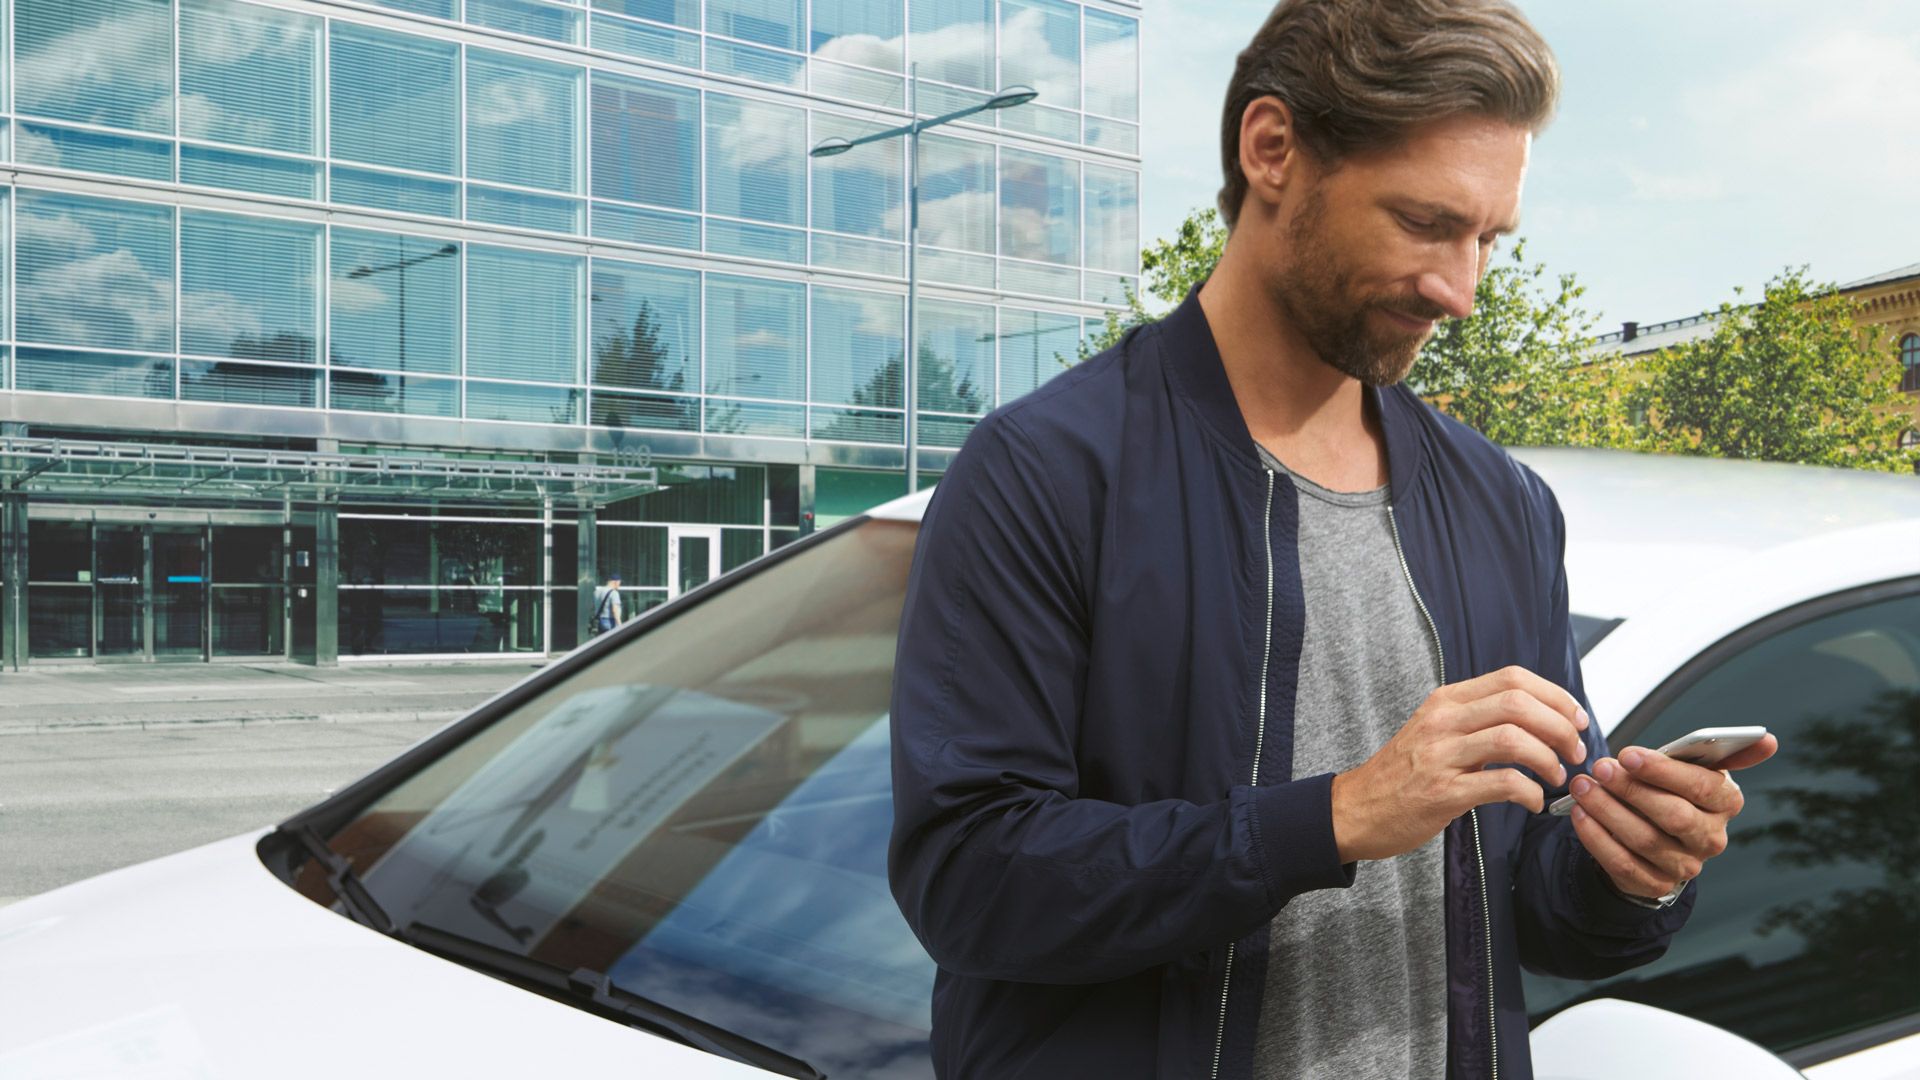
(1517, 370)
(940, 391)
(639, 359)
(1171, 268)
(1790, 378)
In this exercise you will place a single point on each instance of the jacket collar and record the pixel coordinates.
(1192, 360)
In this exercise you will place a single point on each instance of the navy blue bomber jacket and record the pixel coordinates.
(1095, 811)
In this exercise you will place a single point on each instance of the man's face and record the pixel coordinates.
(1373, 253)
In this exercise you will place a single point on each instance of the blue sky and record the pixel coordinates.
(1701, 144)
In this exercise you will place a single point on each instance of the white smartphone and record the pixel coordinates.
(1706, 747)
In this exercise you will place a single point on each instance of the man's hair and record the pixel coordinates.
(1360, 75)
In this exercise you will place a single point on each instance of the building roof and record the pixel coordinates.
(1884, 278)
(1655, 336)
(1652, 337)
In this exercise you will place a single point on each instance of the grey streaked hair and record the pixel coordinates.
(1359, 75)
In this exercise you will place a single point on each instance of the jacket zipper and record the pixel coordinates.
(1259, 743)
(1479, 854)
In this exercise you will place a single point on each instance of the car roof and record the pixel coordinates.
(1641, 526)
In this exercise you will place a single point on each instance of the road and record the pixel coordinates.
(75, 804)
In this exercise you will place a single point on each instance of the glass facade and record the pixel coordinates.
(542, 227)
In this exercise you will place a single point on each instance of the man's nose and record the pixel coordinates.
(1450, 285)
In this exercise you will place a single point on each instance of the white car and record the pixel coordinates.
(665, 855)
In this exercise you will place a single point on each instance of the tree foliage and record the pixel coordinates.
(1171, 268)
(1790, 378)
(1516, 370)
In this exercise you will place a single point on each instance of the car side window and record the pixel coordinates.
(1808, 928)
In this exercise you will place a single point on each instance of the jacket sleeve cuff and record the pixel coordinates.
(1604, 906)
(1293, 830)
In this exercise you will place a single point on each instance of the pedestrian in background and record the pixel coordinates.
(607, 612)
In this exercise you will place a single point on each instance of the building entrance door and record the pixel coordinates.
(693, 558)
(150, 593)
(120, 592)
(178, 629)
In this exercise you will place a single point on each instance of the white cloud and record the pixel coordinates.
(1674, 187)
(221, 313)
(1849, 96)
(111, 290)
(511, 102)
(111, 52)
(867, 50)
(951, 221)
(202, 118)
(36, 147)
(355, 295)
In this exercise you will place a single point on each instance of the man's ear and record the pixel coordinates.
(1271, 155)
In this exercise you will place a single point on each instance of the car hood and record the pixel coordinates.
(205, 965)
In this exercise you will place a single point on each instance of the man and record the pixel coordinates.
(606, 606)
(1232, 678)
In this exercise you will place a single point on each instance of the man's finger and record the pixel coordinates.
(1634, 832)
(1515, 677)
(1498, 786)
(1703, 787)
(1752, 755)
(1677, 815)
(1506, 743)
(1521, 708)
(1629, 871)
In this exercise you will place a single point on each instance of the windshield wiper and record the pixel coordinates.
(360, 904)
(596, 990)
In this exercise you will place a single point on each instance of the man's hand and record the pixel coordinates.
(1654, 823)
(1434, 768)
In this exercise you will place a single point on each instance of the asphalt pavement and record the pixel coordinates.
(102, 767)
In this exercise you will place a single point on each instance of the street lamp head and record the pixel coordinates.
(449, 249)
(831, 147)
(1010, 96)
(360, 272)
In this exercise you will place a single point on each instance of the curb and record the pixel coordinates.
(390, 716)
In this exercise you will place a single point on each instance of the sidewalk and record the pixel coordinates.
(133, 696)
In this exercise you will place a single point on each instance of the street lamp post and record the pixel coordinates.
(1007, 98)
(400, 268)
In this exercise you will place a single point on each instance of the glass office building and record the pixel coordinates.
(375, 329)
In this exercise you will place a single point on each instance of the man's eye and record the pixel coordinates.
(1419, 225)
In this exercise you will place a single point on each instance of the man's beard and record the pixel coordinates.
(1317, 294)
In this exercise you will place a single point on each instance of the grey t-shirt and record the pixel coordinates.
(1356, 978)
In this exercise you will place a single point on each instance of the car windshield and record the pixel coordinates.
(702, 813)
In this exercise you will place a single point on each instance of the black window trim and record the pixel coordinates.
(284, 855)
(1711, 658)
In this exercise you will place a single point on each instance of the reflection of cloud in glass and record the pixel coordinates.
(757, 135)
(35, 146)
(511, 101)
(958, 221)
(73, 302)
(233, 317)
(110, 59)
(259, 36)
(1024, 46)
(357, 294)
(867, 50)
(202, 118)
